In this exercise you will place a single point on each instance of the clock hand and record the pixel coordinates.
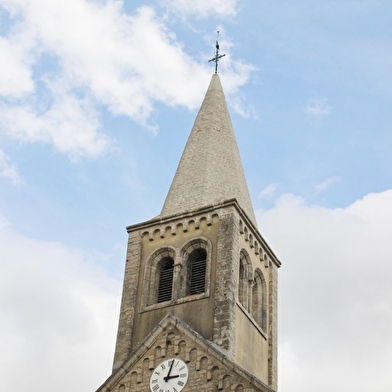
(170, 369)
(170, 377)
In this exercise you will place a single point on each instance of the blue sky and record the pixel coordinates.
(97, 99)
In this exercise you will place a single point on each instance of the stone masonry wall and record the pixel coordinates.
(226, 284)
(273, 328)
(131, 276)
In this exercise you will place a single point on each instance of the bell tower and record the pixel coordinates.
(200, 281)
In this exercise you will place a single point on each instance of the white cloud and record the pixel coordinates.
(71, 124)
(103, 56)
(233, 75)
(7, 169)
(15, 72)
(59, 313)
(335, 293)
(328, 183)
(269, 191)
(58, 316)
(318, 107)
(204, 8)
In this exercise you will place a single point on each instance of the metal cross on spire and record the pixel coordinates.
(217, 55)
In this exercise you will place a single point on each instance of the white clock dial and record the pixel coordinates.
(169, 376)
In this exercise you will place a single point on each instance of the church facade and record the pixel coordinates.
(199, 303)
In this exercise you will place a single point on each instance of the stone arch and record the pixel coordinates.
(203, 362)
(256, 246)
(196, 261)
(213, 373)
(133, 378)
(241, 227)
(158, 281)
(191, 354)
(181, 347)
(250, 240)
(146, 364)
(225, 382)
(246, 234)
(158, 353)
(259, 299)
(244, 278)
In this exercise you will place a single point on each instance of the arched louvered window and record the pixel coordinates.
(196, 279)
(259, 312)
(243, 283)
(256, 297)
(241, 286)
(165, 279)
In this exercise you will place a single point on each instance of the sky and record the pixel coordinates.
(97, 99)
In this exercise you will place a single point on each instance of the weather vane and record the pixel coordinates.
(217, 55)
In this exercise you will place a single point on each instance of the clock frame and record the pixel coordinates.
(171, 375)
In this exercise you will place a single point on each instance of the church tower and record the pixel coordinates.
(199, 303)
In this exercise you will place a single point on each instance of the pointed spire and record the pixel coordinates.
(210, 169)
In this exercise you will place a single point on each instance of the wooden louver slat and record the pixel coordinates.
(198, 275)
(166, 282)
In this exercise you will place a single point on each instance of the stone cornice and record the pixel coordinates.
(181, 221)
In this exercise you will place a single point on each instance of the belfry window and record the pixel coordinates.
(243, 284)
(196, 279)
(165, 279)
(256, 297)
(175, 275)
(259, 311)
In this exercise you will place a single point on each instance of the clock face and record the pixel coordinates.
(169, 376)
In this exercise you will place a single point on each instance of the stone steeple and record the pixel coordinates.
(201, 283)
(210, 169)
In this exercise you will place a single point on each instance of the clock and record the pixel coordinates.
(169, 376)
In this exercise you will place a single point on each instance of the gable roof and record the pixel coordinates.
(210, 170)
(167, 325)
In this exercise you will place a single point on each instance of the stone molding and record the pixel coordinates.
(180, 222)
